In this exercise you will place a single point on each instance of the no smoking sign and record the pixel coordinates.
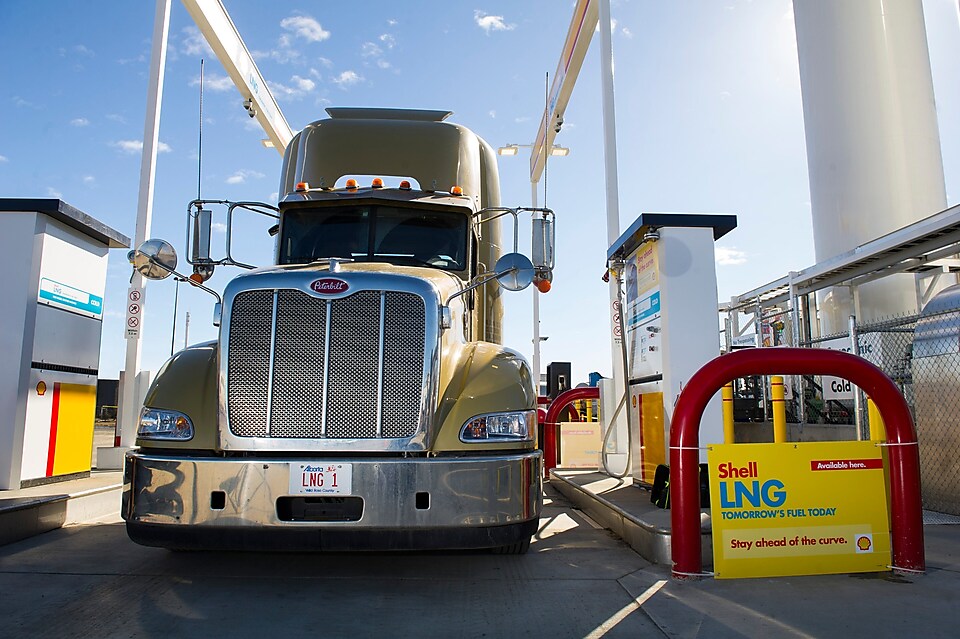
(134, 312)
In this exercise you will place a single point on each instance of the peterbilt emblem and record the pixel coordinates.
(328, 285)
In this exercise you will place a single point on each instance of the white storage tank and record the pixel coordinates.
(873, 145)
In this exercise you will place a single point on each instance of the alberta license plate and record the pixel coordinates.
(320, 479)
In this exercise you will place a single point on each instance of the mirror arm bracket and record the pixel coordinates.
(193, 283)
(479, 281)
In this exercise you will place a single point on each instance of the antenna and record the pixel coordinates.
(546, 135)
(200, 134)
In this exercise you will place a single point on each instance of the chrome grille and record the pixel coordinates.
(349, 368)
(354, 358)
(297, 398)
(402, 343)
(249, 368)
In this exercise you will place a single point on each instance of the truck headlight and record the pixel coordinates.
(156, 423)
(507, 427)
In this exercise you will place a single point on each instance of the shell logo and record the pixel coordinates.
(864, 543)
(329, 286)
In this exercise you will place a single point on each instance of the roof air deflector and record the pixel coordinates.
(372, 113)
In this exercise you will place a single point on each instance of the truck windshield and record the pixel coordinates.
(406, 236)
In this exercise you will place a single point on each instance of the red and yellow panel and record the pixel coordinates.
(59, 429)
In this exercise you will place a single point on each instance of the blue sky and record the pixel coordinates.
(708, 111)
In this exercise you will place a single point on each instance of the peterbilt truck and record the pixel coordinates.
(358, 395)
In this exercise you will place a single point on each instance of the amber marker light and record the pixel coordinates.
(196, 279)
(377, 183)
(303, 186)
(351, 185)
(544, 286)
(457, 190)
(405, 185)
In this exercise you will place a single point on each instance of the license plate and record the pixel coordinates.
(320, 479)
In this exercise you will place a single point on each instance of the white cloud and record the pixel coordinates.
(296, 27)
(136, 146)
(299, 87)
(392, 22)
(116, 118)
(348, 78)
(303, 84)
(194, 43)
(79, 122)
(370, 50)
(216, 83)
(3, 159)
(283, 53)
(492, 113)
(241, 176)
(521, 119)
(491, 23)
(627, 32)
(327, 62)
(89, 179)
(218, 227)
(52, 192)
(305, 27)
(730, 256)
(82, 50)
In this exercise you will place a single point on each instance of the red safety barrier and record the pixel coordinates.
(551, 426)
(906, 526)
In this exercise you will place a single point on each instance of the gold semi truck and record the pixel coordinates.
(358, 395)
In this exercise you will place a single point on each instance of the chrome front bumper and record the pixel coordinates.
(190, 502)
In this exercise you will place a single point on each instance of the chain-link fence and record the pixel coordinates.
(887, 344)
(921, 354)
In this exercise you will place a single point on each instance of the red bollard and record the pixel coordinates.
(551, 439)
(906, 517)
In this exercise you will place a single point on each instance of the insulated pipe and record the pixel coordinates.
(550, 426)
(906, 518)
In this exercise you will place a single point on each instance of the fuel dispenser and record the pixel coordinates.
(55, 265)
(668, 328)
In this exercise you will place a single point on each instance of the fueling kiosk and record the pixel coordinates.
(54, 265)
(668, 324)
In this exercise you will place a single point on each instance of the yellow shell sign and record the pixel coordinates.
(798, 509)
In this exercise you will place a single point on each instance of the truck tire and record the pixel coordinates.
(518, 548)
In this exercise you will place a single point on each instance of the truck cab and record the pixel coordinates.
(358, 396)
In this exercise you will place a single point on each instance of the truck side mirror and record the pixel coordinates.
(514, 271)
(154, 259)
(201, 235)
(543, 243)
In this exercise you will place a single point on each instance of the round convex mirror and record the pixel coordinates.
(514, 271)
(155, 259)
